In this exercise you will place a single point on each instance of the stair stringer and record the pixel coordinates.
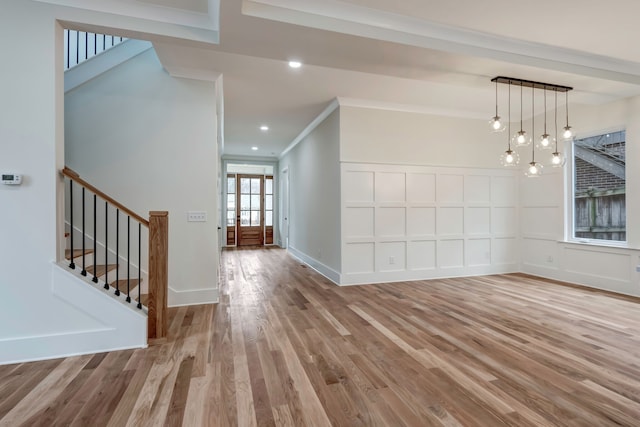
(103, 62)
(123, 325)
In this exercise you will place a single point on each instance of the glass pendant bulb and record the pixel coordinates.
(557, 160)
(567, 133)
(545, 142)
(509, 158)
(496, 124)
(534, 169)
(521, 139)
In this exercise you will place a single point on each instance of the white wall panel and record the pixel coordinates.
(391, 256)
(478, 252)
(422, 255)
(541, 222)
(450, 188)
(598, 264)
(504, 251)
(477, 221)
(504, 221)
(450, 221)
(451, 253)
(358, 222)
(477, 188)
(427, 222)
(358, 186)
(390, 222)
(359, 258)
(504, 190)
(421, 222)
(390, 187)
(421, 187)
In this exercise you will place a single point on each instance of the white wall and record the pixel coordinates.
(35, 321)
(314, 197)
(150, 143)
(371, 135)
(423, 197)
(545, 206)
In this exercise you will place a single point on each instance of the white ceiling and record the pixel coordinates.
(418, 55)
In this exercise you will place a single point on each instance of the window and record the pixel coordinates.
(268, 201)
(599, 207)
(231, 200)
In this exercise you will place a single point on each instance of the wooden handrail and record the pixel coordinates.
(71, 174)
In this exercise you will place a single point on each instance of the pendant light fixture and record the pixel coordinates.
(545, 142)
(521, 139)
(534, 169)
(557, 158)
(509, 157)
(567, 134)
(496, 124)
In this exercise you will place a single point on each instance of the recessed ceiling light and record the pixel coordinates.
(254, 148)
(264, 128)
(295, 64)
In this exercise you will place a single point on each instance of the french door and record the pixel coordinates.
(249, 210)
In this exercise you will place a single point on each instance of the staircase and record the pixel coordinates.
(105, 247)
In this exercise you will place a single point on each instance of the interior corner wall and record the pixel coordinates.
(423, 197)
(150, 141)
(36, 322)
(545, 224)
(313, 170)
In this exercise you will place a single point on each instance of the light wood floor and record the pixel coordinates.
(285, 347)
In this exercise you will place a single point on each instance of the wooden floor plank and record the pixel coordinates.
(285, 347)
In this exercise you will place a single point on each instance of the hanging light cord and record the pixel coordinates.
(533, 123)
(496, 98)
(556, 119)
(520, 106)
(545, 111)
(509, 123)
(567, 106)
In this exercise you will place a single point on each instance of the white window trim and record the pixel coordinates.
(570, 178)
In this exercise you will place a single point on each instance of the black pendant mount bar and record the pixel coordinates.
(530, 83)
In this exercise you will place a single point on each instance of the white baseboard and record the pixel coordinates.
(327, 272)
(179, 298)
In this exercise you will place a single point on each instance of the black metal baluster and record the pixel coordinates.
(86, 46)
(106, 242)
(84, 265)
(117, 252)
(77, 47)
(95, 241)
(68, 47)
(72, 264)
(95, 44)
(139, 264)
(128, 258)
(104, 42)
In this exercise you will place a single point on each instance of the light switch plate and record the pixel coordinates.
(196, 216)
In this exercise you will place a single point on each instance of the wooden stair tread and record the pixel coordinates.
(101, 269)
(76, 253)
(144, 299)
(122, 284)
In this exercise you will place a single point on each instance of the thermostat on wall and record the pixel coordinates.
(11, 178)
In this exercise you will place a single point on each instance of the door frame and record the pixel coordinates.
(236, 161)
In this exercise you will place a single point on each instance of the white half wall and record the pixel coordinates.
(314, 197)
(150, 141)
(404, 222)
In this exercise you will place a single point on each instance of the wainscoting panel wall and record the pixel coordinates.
(415, 222)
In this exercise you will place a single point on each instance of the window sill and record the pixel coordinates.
(600, 243)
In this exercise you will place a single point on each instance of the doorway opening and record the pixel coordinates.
(250, 205)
